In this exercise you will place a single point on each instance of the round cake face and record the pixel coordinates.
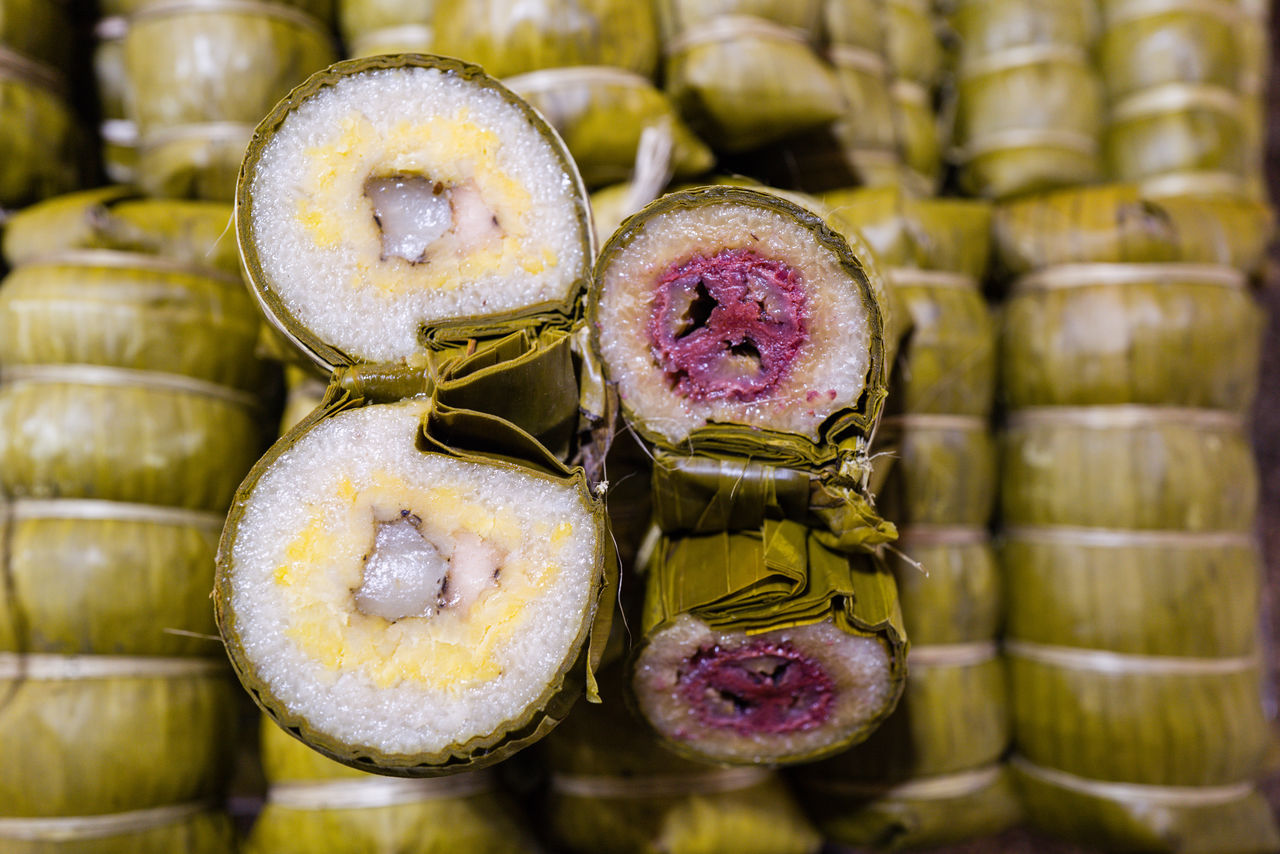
(731, 306)
(782, 696)
(413, 190)
(405, 608)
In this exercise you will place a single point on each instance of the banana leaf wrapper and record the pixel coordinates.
(82, 431)
(602, 113)
(1143, 45)
(191, 828)
(1234, 819)
(1037, 88)
(939, 811)
(36, 29)
(40, 144)
(631, 280)
(821, 630)
(195, 161)
(703, 495)
(911, 42)
(1152, 720)
(920, 135)
(1023, 161)
(330, 630)
(86, 735)
(953, 717)
(169, 90)
(678, 15)
(1128, 467)
(1122, 223)
(407, 38)
(1140, 593)
(1175, 129)
(109, 77)
(362, 21)
(524, 362)
(611, 205)
(314, 803)
(984, 27)
(130, 311)
(304, 393)
(944, 235)
(613, 790)
(945, 472)
(854, 23)
(950, 585)
(1162, 334)
(117, 218)
(743, 82)
(103, 578)
(507, 37)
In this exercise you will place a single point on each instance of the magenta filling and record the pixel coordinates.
(728, 326)
(757, 688)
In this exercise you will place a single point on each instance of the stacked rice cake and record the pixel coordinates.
(1128, 359)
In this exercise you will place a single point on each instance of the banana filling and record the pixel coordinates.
(419, 218)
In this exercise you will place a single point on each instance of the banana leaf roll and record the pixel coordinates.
(674, 314)
(87, 735)
(920, 813)
(1151, 720)
(855, 24)
(766, 646)
(190, 232)
(602, 113)
(745, 80)
(139, 312)
(1124, 223)
(195, 119)
(1135, 592)
(316, 804)
(613, 790)
(1139, 467)
(1176, 128)
(103, 577)
(945, 235)
(1232, 819)
(957, 597)
(1022, 161)
(911, 42)
(191, 828)
(372, 27)
(468, 219)
(944, 472)
(40, 143)
(1145, 44)
(1255, 62)
(509, 37)
(410, 607)
(86, 431)
(109, 76)
(919, 132)
(1162, 334)
(984, 27)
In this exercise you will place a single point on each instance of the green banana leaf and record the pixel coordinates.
(194, 830)
(86, 735)
(40, 143)
(951, 587)
(1176, 129)
(1142, 45)
(944, 472)
(1164, 334)
(984, 27)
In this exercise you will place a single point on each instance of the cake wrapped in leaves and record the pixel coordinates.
(407, 606)
(314, 803)
(1178, 129)
(193, 828)
(733, 320)
(40, 145)
(613, 790)
(1144, 44)
(372, 27)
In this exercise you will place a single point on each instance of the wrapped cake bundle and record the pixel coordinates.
(614, 790)
(119, 135)
(39, 141)
(1028, 100)
(1172, 73)
(587, 67)
(416, 549)
(916, 60)
(372, 27)
(200, 73)
(745, 72)
(1128, 494)
(930, 775)
(317, 805)
(745, 339)
(1255, 65)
